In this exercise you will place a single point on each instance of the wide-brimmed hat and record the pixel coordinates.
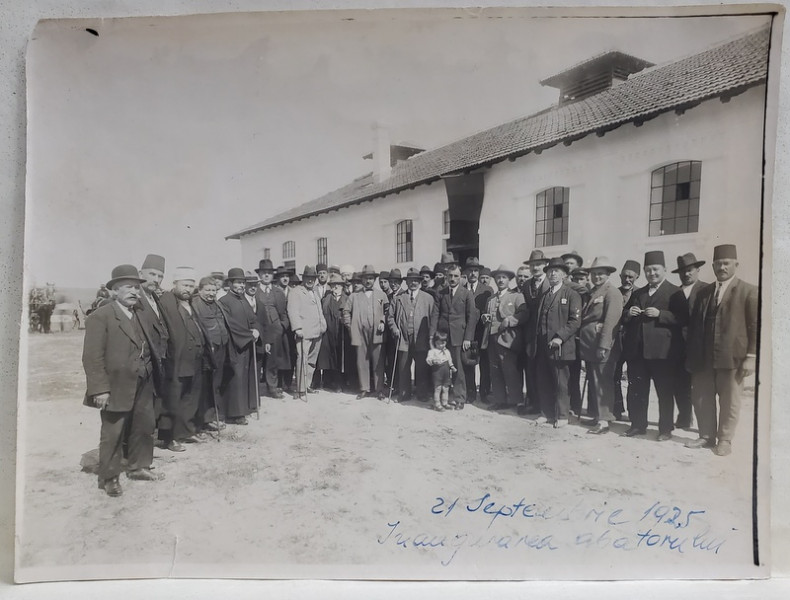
(448, 259)
(368, 270)
(413, 273)
(335, 278)
(686, 261)
(556, 263)
(265, 265)
(283, 270)
(184, 274)
(472, 263)
(235, 273)
(503, 270)
(631, 265)
(334, 269)
(536, 256)
(725, 251)
(425, 269)
(356, 278)
(603, 262)
(154, 261)
(573, 254)
(655, 257)
(249, 277)
(124, 272)
(395, 274)
(309, 271)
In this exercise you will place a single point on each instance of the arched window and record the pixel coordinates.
(551, 217)
(403, 241)
(289, 250)
(674, 198)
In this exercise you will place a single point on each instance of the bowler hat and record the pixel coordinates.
(154, 261)
(631, 265)
(413, 273)
(602, 262)
(426, 270)
(536, 256)
(184, 274)
(573, 254)
(654, 257)
(725, 251)
(686, 261)
(395, 274)
(124, 272)
(235, 273)
(335, 278)
(556, 263)
(265, 265)
(368, 270)
(472, 263)
(309, 272)
(320, 267)
(503, 270)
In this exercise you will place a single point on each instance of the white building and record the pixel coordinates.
(634, 157)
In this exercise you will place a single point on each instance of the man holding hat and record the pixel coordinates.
(553, 348)
(118, 360)
(653, 346)
(533, 291)
(599, 328)
(365, 316)
(308, 325)
(409, 321)
(272, 316)
(503, 339)
(183, 364)
(480, 293)
(628, 276)
(721, 350)
(688, 272)
(241, 390)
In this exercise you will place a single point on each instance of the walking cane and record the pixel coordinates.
(584, 390)
(394, 365)
(302, 376)
(216, 408)
(257, 392)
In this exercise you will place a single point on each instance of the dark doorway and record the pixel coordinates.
(465, 201)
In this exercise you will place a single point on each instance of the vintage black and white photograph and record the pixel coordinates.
(397, 294)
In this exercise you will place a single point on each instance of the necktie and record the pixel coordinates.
(718, 293)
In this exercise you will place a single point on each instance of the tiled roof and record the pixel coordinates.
(725, 70)
(605, 59)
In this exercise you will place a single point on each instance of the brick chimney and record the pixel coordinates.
(382, 162)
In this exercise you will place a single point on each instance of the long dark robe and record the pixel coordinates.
(331, 354)
(239, 387)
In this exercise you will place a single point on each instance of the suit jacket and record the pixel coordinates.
(735, 330)
(532, 299)
(659, 338)
(600, 321)
(362, 316)
(185, 344)
(481, 295)
(510, 304)
(420, 310)
(271, 314)
(155, 325)
(455, 315)
(563, 320)
(306, 313)
(111, 357)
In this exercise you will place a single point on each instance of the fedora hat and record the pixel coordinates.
(335, 278)
(184, 274)
(368, 270)
(236, 273)
(573, 254)
(536, 256)
(265, 265)
(309, 271)
(686, 261)
(485, 271)
(556, 263)
(503, 270)
(249, 277)
(603, 262)
(448, 259)
(631, 265)
(425, 270)
(472, 263)
(725, 251)
(356, 278)
(439, 269)
(655, 257)
(384, 275)
(154, 261)
(123, 273)
(334, 269)
(395, 274)
(413, 273)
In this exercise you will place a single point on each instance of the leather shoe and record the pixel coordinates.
(541, 420)
(599, 429)
(198, 438)
(113, 487)
(664, 437)
(700, 443)
(175, 446)
(459, 406)
(723, 449)
(560, 423)
(632, 431)
(362, 395)
(311, 391)
(144, 475)
(277, 395)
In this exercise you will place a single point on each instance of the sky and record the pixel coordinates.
(165, 135)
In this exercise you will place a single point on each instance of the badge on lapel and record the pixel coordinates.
(564, 301)
(598, 300)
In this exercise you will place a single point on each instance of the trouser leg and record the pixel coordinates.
(638, 392)
(703, 396)
(619, 406)
(561, 372)
(459, 384)
(575, 394)
(363, 366)
(683, 395)
(730, 392)
(663, 373)
(422, 374)
(113, 425)
(377, 364)
(546, 392)
(140, 440)
(511, 375)
(485, 377)
(496, 371)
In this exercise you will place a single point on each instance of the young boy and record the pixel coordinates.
(442, 369)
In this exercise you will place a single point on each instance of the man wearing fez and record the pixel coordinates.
(183, 364)
(321, 286)
(721, 351)
(364, 316)
(653, 346)
(504, 317)
(409, 321)
(271, 313)
(628, 276)
(480, 293)
(331, 354)
(600, 324)
(485, 277)
(240, 389)
(118, 360)
(216, 338)
(533, 290)
(553, 349)
(455, 314)
(306, 316)
(150, 313)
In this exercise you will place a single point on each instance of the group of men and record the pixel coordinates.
(180, 364)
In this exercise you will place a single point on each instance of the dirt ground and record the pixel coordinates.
(336, 487)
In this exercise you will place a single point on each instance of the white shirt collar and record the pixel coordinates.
(125, 310)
